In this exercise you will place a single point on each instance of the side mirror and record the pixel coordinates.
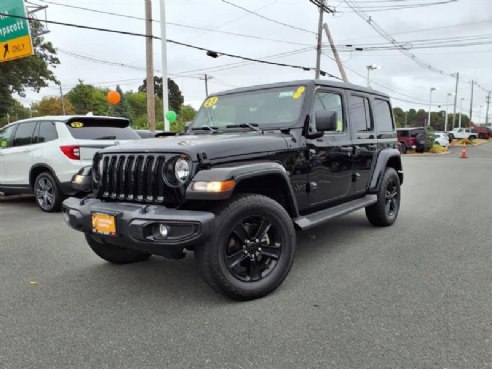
(326, 121)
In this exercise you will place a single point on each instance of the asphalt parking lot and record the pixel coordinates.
(415, 295)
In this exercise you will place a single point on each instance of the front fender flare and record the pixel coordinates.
(240, 173)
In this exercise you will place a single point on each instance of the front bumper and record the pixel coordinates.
(136, 224)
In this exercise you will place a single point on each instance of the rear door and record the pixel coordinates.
(364, 139)
(17, 160)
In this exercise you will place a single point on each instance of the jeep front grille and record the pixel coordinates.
(129, 177)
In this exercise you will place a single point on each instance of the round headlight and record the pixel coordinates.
(182, 170)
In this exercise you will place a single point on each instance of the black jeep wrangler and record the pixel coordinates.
(256, 164)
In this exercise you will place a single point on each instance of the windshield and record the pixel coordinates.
(268, 108)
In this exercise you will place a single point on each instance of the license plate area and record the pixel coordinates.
(103, 223)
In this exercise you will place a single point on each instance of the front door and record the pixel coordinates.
(330, 157)
(17, 160)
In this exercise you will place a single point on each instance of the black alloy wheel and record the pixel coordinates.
(252, 248)
(48, 195)
(392, 198)
(385, 211)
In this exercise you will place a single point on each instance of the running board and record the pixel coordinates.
(314, 219)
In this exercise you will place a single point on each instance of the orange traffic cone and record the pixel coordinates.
(464, 154)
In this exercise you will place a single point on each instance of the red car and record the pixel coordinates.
(411, 139)
(483, 132)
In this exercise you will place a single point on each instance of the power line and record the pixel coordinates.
(173, 24)
(381, 8)
(209, 52)
(268, 19)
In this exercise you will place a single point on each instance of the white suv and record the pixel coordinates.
(40, 155)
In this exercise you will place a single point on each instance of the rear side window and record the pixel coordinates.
(101, 129)
(360, 118)
(5, 136)
(382, 115)
(46, 132)
(24, 134)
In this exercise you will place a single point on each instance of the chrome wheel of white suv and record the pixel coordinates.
(47, 192)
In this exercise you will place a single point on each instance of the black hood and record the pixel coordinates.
(215, 146)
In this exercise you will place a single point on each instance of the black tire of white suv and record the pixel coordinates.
(48, 194)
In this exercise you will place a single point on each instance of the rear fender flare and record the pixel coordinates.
(386, 158)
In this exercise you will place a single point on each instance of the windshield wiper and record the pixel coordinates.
(106, 138)
(205, 128)
(252, 126)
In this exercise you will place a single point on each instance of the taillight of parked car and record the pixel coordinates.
(71, 151)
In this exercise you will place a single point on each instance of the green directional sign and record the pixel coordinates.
(15, 36)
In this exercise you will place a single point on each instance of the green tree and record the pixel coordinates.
(122, 109)
(52, 106)
(87, 98)
(176, 98)
(32, 72)
(421, 118)
(412, 118)
(399, 117)
(16, 112)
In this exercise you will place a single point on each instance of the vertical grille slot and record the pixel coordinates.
(113, 177)
(139, 172)
(105, 177)
(121, 177)
(159, 179)
(128, 177)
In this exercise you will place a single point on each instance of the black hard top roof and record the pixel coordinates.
(308, 82)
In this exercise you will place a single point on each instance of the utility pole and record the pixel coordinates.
(321, 4)
(471, 101)
(165, 93)
(205, 78)
(335, 53)
(149, 54)
(487, 111)
(455, 98)
(320, 40)
(62, 101)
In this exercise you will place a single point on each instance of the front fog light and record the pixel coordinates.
(163, 230)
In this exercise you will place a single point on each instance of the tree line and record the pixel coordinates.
(418, 118)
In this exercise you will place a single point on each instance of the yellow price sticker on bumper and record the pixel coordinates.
(211, 101)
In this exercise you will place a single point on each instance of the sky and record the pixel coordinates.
(445, 31)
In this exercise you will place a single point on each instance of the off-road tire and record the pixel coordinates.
(48, 194)
(403, 147)
(383, 214)
(114, 254)
(473, 137)
(211, 257)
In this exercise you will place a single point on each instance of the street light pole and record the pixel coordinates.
(461, 109)
(165, 93)
(369, 68)
(447, 115)
(430, 105)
